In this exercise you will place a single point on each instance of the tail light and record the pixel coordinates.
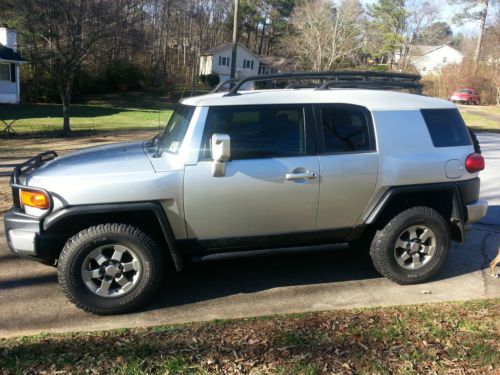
(474, 163)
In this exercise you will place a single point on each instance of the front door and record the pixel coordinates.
(269, 193)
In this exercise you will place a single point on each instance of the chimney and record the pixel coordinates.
(8, 38)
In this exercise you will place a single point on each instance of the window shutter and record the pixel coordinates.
(244, 62)
(251, 65)
(13, 72)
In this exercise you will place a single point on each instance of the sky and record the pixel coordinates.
(447, 12)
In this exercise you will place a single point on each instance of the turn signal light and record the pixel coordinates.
(474, 163)
(34, 199)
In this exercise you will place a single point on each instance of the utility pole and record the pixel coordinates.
(235, 40)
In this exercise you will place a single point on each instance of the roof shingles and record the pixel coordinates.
(9, 54)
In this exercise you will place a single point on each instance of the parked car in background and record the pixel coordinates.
(466, 96)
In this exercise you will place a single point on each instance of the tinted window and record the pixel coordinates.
(257, 132)
(345, 130)
(446, 127)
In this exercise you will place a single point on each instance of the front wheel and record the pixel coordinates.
(411, 247)
(109, 268)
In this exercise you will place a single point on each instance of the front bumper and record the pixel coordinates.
(25, 237)
(476, 210)
(22, 232)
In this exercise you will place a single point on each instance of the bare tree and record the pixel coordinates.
(63, 33)
(473, 10)
(325, 34)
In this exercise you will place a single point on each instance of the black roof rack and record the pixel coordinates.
(221, 86)
(344, 79)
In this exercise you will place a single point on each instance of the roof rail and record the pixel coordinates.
(220, 86)
(345, 79)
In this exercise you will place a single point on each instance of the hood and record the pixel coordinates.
(116, 159)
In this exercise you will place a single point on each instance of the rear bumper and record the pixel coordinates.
(476, 210)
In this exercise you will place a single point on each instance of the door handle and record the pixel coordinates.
(300, 176)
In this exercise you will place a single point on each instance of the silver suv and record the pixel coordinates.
(346, 162)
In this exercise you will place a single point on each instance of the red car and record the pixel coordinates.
(465, 95)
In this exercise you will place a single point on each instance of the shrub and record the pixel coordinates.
(484, 78)
(211, 80)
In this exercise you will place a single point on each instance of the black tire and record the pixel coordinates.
(475, 142)
(79, 247)
(382, 250)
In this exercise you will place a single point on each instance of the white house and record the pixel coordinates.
(218, 61)
(9, 67)
(430, 59)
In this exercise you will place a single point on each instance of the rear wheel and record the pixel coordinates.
(411, 247)
(109, 269)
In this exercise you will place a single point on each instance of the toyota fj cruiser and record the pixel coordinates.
(345, 161)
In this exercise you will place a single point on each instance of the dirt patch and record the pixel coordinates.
(18, 149)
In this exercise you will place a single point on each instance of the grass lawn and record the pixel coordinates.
(481, 123)
(123, 111)
(437, 338)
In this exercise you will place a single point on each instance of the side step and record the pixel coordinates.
(269, 252)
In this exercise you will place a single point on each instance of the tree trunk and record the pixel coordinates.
(484, 13)
(66, 100)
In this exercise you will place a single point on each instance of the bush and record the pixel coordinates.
(211, 80)
(484, 78)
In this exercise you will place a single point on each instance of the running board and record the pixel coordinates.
(269, 252)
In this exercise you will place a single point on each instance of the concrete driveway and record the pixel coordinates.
(336, 278)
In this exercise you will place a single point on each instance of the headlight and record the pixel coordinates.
(35, 199)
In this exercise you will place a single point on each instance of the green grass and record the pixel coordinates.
(481, 123)
(434, 338)
(122, 111)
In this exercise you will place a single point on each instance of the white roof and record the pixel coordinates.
(371, 99)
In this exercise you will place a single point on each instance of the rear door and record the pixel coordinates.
(269, 193)
(349, 163)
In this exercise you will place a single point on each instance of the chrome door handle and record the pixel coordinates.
(300, 176)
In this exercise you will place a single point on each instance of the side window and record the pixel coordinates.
(257, 131)
(446, 127)
(345, 129)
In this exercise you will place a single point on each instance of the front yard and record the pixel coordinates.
(458, 338)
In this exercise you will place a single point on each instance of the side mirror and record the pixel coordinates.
(221, 152)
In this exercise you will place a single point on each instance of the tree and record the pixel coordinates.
(63, 33)
(325, 35)
(436, 33)
(473, 10)
(387, 28)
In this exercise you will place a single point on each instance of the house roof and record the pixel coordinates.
(275, 62)
(222, 47)
(9, 54)
(422, 50)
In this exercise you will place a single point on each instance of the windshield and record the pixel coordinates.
(465, 91)
(173, 134)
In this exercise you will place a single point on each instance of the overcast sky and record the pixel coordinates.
(447, 12)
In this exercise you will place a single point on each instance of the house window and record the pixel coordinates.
(224, 61)
(4, 72)
(445, 59)
(228, 60)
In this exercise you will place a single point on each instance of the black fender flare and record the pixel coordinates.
(457, 215)
(60, 216)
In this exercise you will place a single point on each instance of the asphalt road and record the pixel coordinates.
(31, 302)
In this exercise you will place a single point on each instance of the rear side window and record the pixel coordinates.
(345, 129)
(446, 127)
